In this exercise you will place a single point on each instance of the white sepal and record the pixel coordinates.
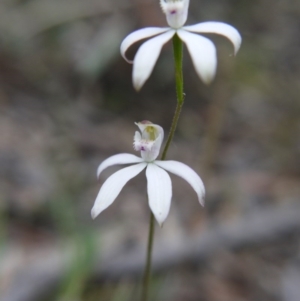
(220, 28)
(146, 58)
(112, 187)
(184, 171)
(159, 189)
(139, 35)
(203, 54)
(118, 159)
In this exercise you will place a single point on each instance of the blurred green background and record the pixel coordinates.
(67, 103)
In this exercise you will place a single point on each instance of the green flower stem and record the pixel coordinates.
(178, 54)
(177, 48)
(147, 272)
(172, 130)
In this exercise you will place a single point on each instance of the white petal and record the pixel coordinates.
(159, 192)
(139, 35)
(218, 28)
(118, 159)
(113, 185)
(188, 174)
(146, 58)
(203, 54)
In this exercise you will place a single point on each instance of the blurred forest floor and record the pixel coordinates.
(67, 103)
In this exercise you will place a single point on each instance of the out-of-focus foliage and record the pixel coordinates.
(67, 103)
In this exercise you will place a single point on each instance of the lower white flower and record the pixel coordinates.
(159, 186)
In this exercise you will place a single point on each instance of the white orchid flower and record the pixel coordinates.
(201, 49)
(159, 187)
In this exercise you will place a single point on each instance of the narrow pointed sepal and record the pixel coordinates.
(219, 28)
(137, 36)
(203, 54)
(112, 187)
(184, 171)
(159, 189)
(118, 159)
(146, 58)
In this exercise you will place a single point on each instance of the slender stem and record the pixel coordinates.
(177, 48)
(178, 54)
(147, 272)
(172, 130)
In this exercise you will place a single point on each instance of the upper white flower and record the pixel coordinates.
(201, 49)
(159, 187)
